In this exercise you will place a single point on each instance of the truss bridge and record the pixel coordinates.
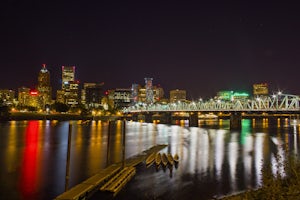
(276, 105)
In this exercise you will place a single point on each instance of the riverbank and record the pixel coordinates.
(57, 116)
(275, 186)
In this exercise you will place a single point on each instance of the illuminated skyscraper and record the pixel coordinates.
(23, 96)
(149, 91)
(71, 93)
(68, 74)
(44, 86)
(70, 87)
(148, 94)
(135, 92)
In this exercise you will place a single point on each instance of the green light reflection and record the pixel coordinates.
(246, 129)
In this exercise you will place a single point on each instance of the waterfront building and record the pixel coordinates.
(92, 94)
(34, 99)
(177, 95)
(69, 93)
(107, 101)
(142, 95)
(158, 93)
(60, 96)
(229, 95)
(68, 74)
(243, 96)
(225, 95)
(7, 96)
(149, 90)
(23, 96)
(29, 98)
(260, 89)
(44, 87)
(121, 97)
(148, 94)
(135, 92)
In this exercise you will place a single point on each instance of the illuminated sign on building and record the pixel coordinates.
(260, 89)
(33, 93)
(231, 95)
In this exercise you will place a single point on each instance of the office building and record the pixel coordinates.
(69, 93)
(149, 91)
(177, 95)
(260, 89)
(68, 74)
(158, 93)
(229, 95)
(7, 97)
(44, 87)
(135, 92)
(34, 99)
(92, 94)
(29, 98)
(121, 97)
(23, 96)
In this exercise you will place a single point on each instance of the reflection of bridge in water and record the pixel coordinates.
(271, 106)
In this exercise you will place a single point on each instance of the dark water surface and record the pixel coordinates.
(214, 160)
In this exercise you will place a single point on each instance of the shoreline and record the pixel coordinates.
(58, 116)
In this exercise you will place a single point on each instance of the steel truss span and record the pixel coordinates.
(275, 103)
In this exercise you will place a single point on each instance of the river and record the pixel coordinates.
(214, 161)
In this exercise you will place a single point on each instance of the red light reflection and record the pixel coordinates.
(29, 164)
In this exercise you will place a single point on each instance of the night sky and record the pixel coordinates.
(200, 47)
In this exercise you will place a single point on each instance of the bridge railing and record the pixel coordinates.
(282, 102)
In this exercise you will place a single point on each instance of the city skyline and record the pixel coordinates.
(199, 47)
(68, 74)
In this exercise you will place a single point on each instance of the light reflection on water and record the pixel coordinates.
(216, 162)
(213, 160)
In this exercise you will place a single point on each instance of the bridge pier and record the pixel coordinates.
(135, 117)
(148, 118)
(193, 119)
(274, 120)
(235, 120)
(166, 118)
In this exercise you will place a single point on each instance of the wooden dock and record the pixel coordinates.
(115, 184)
(114, 174)
(88, 187)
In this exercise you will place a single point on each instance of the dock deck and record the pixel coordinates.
(88, 187)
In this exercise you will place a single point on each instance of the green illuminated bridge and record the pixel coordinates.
(275, 103)
(280, 104)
